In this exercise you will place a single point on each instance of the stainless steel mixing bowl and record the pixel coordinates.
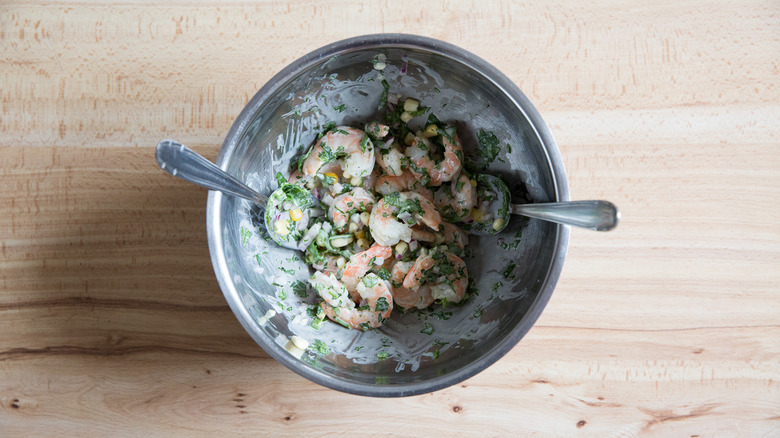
(415, 352)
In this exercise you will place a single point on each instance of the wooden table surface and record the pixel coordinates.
(112, 322)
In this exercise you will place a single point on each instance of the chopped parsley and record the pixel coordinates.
(488, 146)
(382, 355)
(383, 97)
(245, 235)
(428, 330)
(340, 108)
(509, 272)
(381, 304)
(299, 288)
(321, 348)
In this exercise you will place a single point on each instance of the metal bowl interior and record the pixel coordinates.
(515, 272)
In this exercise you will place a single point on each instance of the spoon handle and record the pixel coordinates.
(182, 162)
(594, 215)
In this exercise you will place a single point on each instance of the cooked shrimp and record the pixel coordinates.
(444, 272)
(375, 306)
(419, 297)
(330, 289)
(391, 160)
(360, 263)
(377, 129)
(455, 200)
(404, 182)
(348, 205)
(425, 169)
(453, 234)
(394, 215)
(347, 148)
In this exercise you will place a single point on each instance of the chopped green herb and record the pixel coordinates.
(245, 235)
(428, 330)
(436, 353)
(509, 272)
(478, 312)
(299, 288)
(383, 97)
(382, 355)
(282, 294)
(488, 145)
(508, 149)
(257, 257)
(321, 348)
(340, 108)
(287, 271)
(436, 89)
(381, 303)
(383, 274)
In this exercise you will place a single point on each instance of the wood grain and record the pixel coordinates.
(113, 324)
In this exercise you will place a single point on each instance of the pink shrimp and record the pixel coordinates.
(452, 234)
(419, 297)
(455, 200)
(426, 170)
(404, 182)
(344, 148)
(360, 263)
(444, 272)
(348, 204)
(374, 306)
(388, 229)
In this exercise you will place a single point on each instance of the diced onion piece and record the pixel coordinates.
(296, 214)
(411, 104)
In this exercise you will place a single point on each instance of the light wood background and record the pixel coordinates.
(112, 323)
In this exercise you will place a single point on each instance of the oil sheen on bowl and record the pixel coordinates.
(515, 271)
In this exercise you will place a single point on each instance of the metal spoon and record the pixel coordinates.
(182, 162)
(593, 215)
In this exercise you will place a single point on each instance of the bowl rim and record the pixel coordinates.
(234, 136)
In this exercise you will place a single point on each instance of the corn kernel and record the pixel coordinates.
(356, 181)
(401, 248)
(430, 131)
(409, 139)
(405, 117)
(353, 227)
(362, 243)
(361, 234)
(498, 224)
(296, 214)
(332, 175)
(347, 176)
(477, 215)
(282, 228)
(341, 261)
(411, 105)
(364, 217)
(473, 182)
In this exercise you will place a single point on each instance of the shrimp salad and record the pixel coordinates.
(384, 235)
